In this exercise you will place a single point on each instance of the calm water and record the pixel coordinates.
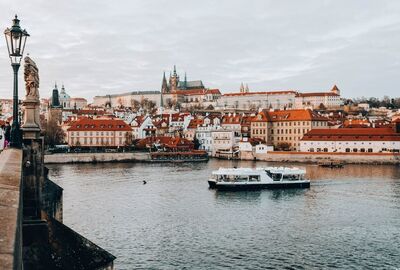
(348, 219)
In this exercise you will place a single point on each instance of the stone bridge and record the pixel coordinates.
(32, 235)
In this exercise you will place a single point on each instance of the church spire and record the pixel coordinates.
(164, 85)
(241, 88)
(185, 82)
(246, 90)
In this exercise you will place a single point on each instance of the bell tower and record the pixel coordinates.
(173, 81)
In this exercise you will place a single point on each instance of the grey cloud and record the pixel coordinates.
(100, 47)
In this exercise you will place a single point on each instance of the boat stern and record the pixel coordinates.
(212, 183)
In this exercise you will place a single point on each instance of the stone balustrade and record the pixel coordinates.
(11, 209)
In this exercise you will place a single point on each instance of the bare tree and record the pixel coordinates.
(53, 133)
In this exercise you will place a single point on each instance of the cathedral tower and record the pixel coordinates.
(173, 81)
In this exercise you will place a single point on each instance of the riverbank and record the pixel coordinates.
(96, 157)
(299, 157)
(307, 157)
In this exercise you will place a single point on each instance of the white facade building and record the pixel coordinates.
(351, 140)
(203, 134)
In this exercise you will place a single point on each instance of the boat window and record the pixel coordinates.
(268, 173)
(276, 176)
(240, 178)
(291, 177)
(254, 178)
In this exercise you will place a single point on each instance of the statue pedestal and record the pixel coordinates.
(31, 126)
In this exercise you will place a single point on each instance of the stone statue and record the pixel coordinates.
(31, 76)
(31, 123)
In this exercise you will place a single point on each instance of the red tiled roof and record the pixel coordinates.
(194, 123)
(262, 93)
(254, 141)
(288, 115)
(230, 119)
(89, 112)
(213, 91)
(335, 88)
(316, 94)
(88, 124)
(356, 123)
(352, 134)
(169, 142)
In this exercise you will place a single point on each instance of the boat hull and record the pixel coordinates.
(285, 185)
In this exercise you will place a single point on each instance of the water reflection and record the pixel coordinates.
(237, 196)
(176, 222)
(286, 194)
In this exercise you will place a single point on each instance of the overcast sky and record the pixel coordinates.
(104, 47)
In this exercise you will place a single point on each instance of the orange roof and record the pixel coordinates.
(213, 91)
(88, 124)
(356, 123)
(352, 134)
(316, 94)
(194, 123)
(231, 119)
(288, 115)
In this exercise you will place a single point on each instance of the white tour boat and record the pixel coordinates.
(259, 178)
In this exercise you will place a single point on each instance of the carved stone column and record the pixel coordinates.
(31, 126)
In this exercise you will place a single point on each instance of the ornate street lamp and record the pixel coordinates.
(16, 38)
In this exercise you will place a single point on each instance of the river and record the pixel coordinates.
(348, 219)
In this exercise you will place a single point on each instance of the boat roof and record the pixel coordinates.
(257, 171)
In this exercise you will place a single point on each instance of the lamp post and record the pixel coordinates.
(16, 38)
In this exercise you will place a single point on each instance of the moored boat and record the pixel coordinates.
(179, 156)
(331, 164)
(259, 178)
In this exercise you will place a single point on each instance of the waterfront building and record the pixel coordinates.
(203, 135)
(232, 122)
(165, 143)
(224, 143)
(352, 140)
(284, 128)
(99, 132)
(142, 127)
(190, 132)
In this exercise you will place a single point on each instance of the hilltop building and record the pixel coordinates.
(174, 92)
(281, 99)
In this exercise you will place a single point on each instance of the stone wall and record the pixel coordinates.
(11, 209)
(357, 158)
(96, 157)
